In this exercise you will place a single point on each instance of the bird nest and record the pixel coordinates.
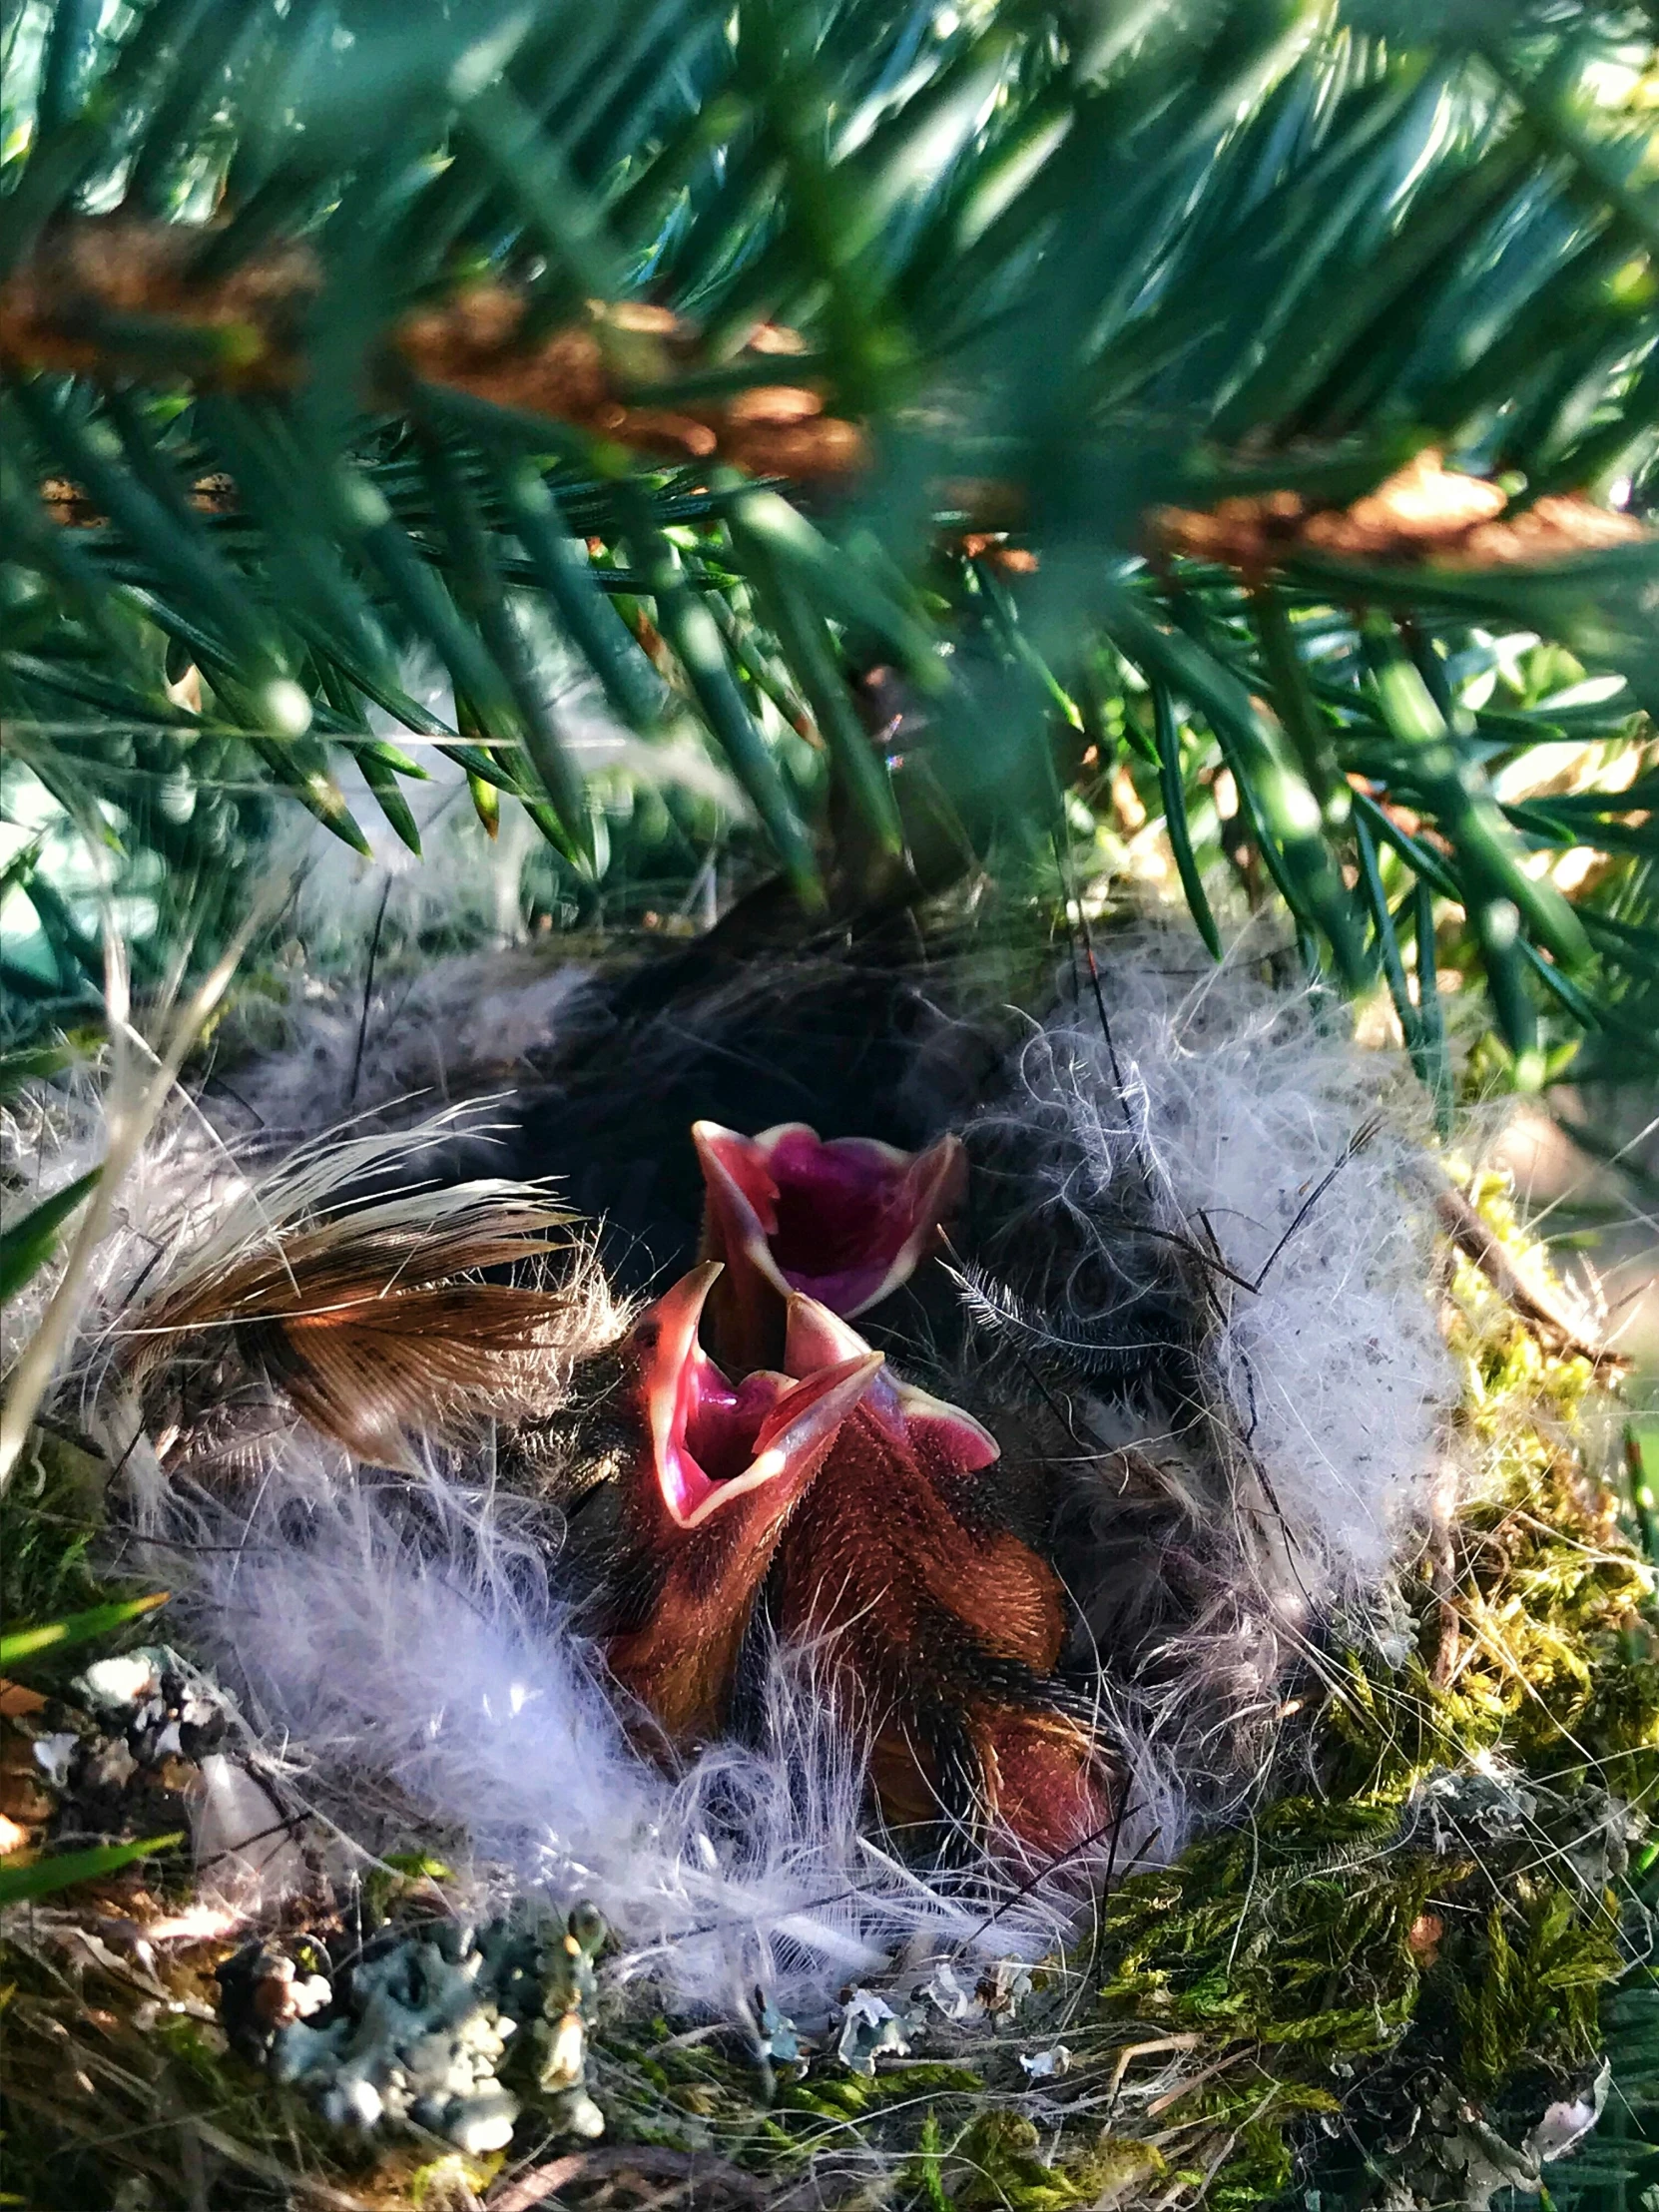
(1254, 1805)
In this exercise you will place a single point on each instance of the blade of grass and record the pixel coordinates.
(34, 1064)
(133, 1109)
(75, 1628)
(25, 1245)
(20, 1884)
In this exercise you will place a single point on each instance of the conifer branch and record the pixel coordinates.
(118, 298)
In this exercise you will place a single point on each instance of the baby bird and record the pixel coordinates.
(845, 1222)
(941, 1628)
(716, 1470)
(852, 1511)
(858, 1509)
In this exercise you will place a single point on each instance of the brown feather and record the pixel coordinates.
(377, 1326)
(377, 1370)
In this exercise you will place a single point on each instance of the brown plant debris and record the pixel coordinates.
(993, 547)
(1423, 512)
(1542, 1305)
(67, 503)
(585, 374)
(114, 296)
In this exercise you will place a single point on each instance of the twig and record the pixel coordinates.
(475, 354)
(1131, 2051)
(1205, 2074)
(1480, 1244)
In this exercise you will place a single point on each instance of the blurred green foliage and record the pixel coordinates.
(1063, 264)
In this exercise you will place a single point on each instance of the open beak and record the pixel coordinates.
(720, 1468)
(714, 1443)
(843, 1221)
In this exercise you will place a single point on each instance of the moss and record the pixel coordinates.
(922, 2179)
(1258, 2171)
(54, 1517)
(1002, 2168)
(1116, 2167)
(1447, 1910)
(1529, 1987)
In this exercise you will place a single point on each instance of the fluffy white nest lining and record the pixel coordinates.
(1289, 1170)
(1242, 1101)
(437, 1667)
(469, 1020)
(399, 1660)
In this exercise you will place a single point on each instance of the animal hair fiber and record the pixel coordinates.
(1223, 1113)
(400, 1644)
(1239, 1101)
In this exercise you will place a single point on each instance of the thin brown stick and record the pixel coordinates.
(691, 2169)
(1532, 1303)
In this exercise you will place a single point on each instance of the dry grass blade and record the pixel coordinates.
(137, 1097)
(691, 2178)
(1542, 1311)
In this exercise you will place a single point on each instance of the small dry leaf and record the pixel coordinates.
(1423, 1939)
(23, 1803)
(992, 547)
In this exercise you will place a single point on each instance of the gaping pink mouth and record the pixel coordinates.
(844, 1222)
(713, 1440)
